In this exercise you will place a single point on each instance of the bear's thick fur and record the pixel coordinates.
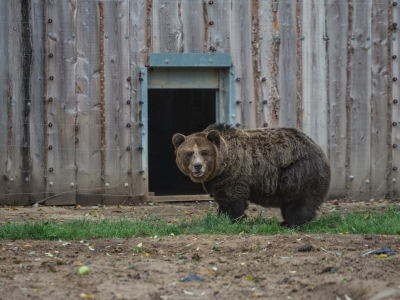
(278, 167)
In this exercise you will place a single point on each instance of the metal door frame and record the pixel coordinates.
(178, 62)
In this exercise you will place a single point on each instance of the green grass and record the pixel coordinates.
(386, 222)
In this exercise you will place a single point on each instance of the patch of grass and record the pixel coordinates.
(386, 222)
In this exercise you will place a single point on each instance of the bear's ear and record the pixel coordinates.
(178, 139)
(214, 137)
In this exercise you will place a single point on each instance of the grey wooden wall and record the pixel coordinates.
(70, 89)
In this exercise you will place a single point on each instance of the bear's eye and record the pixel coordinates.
(189, 154)
(204, 153)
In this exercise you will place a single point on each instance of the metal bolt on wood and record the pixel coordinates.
(394, 168)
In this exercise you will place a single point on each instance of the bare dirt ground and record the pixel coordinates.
(295, 266)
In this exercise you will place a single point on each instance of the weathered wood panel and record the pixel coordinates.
(286, 38)
(61, 101)
(193, 26)
(395, 106)
(139, 37)
(4, 77)
(360, 99)
(167, 27)
(88, 104)
(268, 64)
(380, 113)
(18, 111)
(117, 82)
(36, 115)
(218, 20)
(243, 61)
(314, 70)
(337, 31)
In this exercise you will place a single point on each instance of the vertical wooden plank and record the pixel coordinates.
(139, 48)
(167, 26)
(268, 63)
(61, 110)
(242, 60)
(18, 86)
(219, 33)
(380, 113)
(337, 31)
(287, 82)
(36, 116)
(117, 81)
(4, 71)
(395, 106)
(88, 121)
(360, 100)
(314, 70)
(193, 38)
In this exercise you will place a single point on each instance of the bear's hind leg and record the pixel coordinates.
(297, 213)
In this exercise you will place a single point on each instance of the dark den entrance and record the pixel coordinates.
(171, 111)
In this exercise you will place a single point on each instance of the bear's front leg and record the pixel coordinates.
(231, 204)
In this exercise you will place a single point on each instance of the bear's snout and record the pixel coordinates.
(198, 166)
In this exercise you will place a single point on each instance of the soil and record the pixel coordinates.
(297, 266)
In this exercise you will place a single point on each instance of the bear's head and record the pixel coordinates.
(200, 155)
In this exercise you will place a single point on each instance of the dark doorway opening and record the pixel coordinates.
(170, 111)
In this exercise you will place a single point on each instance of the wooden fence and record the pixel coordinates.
(70, 90)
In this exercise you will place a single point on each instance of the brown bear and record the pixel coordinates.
(277, 167)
